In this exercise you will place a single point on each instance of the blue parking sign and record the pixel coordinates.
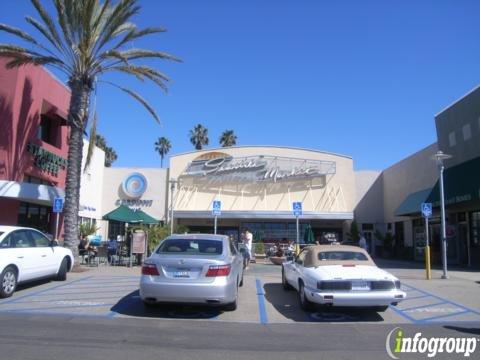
(216, 208)
(426, 210)
(57, 205)
(297, 208)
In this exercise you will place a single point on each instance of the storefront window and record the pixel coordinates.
(35, 216)
(475, 223)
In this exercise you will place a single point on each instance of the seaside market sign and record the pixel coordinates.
(261, 168)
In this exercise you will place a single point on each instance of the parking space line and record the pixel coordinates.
(447, 301)
(261, 302)
(424, 306)
(58, 307)
(402, 314)
(416, 297)
(14, 300)
(84, 292)
(69, 299)
(443, 316)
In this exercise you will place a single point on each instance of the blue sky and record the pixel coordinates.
(360, 78)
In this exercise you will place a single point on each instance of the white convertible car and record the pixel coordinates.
(27, 254)
(339, 275)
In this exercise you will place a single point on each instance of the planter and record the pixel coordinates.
(260, 256)
(277, 260)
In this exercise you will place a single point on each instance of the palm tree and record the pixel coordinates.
(162, 146)
(228, 138)
(110, 153)
(85, 40)
(199, 136)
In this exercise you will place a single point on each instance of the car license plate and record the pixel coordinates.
(360, 285)
(181, 274)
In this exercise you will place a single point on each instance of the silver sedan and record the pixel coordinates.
(195, 269)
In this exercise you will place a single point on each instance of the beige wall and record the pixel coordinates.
(338, 195)
(91, 184)
(415, 173)
(156, 190)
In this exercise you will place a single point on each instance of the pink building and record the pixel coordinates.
(33, 145)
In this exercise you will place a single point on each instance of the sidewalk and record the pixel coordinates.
(417, 269)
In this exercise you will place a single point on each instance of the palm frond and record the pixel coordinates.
(115, 22)
(133, 54)
(135, 34)
(91, 142)
(44, 32)
(48, 22)
(137, 97)
(143, 71)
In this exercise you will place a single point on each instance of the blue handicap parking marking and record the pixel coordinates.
(422, 307)
(262, 310)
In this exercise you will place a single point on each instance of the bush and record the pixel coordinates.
(259, 248)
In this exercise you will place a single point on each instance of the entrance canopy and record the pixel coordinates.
(412, 203)
(125, 214)
(461, 183)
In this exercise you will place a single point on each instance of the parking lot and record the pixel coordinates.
(112, 292)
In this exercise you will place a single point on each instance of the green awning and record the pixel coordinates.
(125, 214)
(461, 183)
(412, 203)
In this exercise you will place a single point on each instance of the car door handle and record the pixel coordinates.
(44, 255)
(19, 257)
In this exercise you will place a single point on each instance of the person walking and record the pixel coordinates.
(248, 245)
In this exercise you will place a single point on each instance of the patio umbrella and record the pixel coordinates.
(308, 236)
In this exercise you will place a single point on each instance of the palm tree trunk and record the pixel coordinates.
(77, 118)
(161, 161)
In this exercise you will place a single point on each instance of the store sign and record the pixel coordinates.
(138, 203)
(46, 160)
(134, 185)
(258, 169)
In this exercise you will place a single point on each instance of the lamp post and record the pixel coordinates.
(172, 191)
(440, 157)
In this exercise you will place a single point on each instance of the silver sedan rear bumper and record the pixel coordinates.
(221, 291)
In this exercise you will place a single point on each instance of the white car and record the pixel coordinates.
(339, 275)
(27, 254)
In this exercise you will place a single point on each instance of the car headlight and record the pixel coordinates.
(398, 284)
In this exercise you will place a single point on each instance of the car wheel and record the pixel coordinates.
(8, 280)
(305, 304)
(380, 308)
(285, 284)
(62, 271)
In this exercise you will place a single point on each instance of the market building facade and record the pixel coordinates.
(257, 186)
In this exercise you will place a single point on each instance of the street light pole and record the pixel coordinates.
(439, 157)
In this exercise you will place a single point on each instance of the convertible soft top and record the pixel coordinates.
(312, 259)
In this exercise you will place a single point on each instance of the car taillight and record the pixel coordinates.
(218, 270)
(149, 269)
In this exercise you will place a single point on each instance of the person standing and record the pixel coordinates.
(248, 245)
(363, 243)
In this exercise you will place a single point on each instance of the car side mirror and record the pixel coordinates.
(290, 258)
(53, 243)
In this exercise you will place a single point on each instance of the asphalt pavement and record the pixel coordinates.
(97, 314)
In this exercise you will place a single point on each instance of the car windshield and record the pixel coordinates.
(191, 247)
(341, 256)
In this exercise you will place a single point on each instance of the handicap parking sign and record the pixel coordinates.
(426, 210)
(57, 205)
(216, 208)
(297, 208)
